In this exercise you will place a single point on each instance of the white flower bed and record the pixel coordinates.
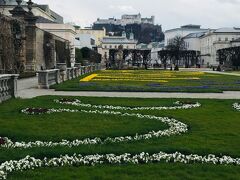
(236, 106)
(91, 160)
(179, 104)
(175, 128)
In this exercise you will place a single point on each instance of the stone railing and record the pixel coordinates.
(47, 78)
(8, 86)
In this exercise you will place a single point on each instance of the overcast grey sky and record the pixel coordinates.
(169, 13)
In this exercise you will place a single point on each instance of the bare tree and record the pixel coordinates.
(176, 46)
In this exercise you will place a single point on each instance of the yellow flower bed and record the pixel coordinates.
(143, 71)
(142, 76)
(135, 77)
(88, 78)
(124, 79)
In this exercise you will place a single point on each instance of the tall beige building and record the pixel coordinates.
(97, 34)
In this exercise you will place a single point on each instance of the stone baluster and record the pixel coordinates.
(8, 86)
(7, 89)
(1, 90)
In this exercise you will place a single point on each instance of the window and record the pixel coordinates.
(110, 46)
(226, 39)
(219, 39)
(105, 47)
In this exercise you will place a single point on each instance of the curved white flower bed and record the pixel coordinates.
(180, 105)
(236, 106)
(175, 128)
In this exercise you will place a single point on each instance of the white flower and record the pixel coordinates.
(236, 106)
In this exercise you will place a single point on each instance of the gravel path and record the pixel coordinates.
(224, 73)
(31, 93)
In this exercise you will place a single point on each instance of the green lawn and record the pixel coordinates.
(153, 81)
(235, 72)
(213, 128)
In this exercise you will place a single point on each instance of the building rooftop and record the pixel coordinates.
(191, 26)
(227, 30)
(195, 35)
(118, 40)
(188, 27)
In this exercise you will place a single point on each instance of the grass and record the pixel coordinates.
(213, 128)
(235, 72)
(141, 172)
(153, 81)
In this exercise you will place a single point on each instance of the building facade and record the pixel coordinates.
(154, 47)
(97, 35)
(85, 40)
(113, 42)
(65, 31)
(182, 32)
(192, 41)
(214, 40)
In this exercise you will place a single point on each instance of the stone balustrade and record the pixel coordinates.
(69, 73)
(8, 86)
(47, 78)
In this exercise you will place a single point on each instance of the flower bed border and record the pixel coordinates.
(92, 160)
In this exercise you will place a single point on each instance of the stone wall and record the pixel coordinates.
(31, 49)
(12, 46)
